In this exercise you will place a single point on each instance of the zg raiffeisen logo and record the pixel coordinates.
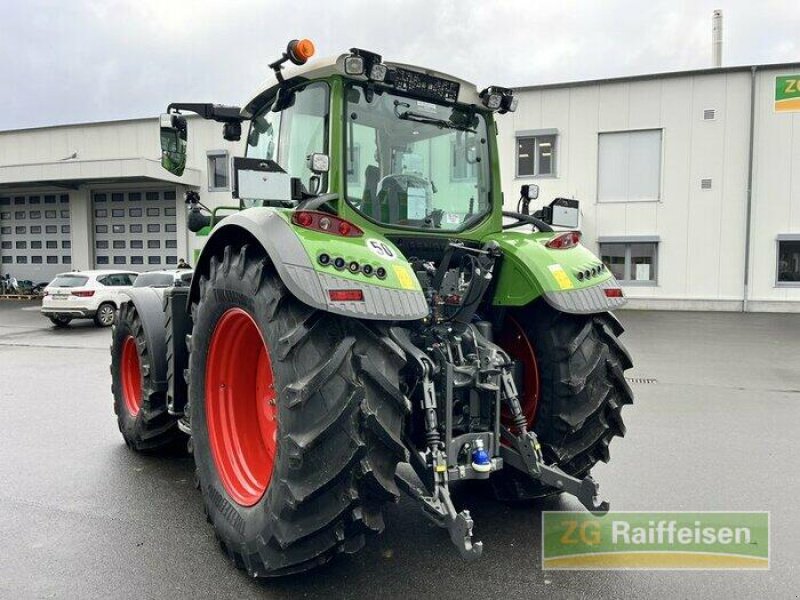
(638, 540)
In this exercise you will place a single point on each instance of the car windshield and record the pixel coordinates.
(66, 281)
(154, 280)
(414, 163)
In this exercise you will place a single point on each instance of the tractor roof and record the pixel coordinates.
(325, 67)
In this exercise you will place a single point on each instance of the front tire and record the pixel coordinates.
(140, 401)
(573, 391)
(296, 420)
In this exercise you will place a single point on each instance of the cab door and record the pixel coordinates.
(290, 135)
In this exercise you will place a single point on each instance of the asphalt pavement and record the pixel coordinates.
(714, 427)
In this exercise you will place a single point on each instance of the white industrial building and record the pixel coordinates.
(689, 190)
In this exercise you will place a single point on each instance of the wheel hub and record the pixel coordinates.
(131, 376)
(106, 315)
(241, 411)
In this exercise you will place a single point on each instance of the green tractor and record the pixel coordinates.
(369, 303)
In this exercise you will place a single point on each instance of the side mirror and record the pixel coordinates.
(173, 143)
(529, 191)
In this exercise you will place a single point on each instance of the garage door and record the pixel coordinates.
(35, 240)
(135, 229)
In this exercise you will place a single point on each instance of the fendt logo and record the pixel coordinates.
(633, 540)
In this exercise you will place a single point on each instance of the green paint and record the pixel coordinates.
(356, 249)
(528, 267)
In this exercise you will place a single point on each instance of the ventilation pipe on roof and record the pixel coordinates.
(716, 38)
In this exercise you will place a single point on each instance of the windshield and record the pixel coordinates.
(414, 163)
(154, 280)
(66, 281)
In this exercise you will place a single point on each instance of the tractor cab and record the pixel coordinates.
(391, 146)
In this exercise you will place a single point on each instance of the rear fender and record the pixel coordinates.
(531, 270)
(290, 249)
(149, 306)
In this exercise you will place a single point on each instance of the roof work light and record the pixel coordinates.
(363, 62)
(499, 99)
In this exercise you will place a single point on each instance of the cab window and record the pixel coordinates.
(288, 137)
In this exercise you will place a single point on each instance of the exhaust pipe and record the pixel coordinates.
(716, 38)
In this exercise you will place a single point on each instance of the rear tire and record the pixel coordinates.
(60, 321)
(336, 441)
(104, 317)
(582, 390)
(140, 402)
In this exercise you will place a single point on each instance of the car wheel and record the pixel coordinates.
(60, 320)
(105, 315)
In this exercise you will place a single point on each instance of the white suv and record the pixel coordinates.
(86, 295)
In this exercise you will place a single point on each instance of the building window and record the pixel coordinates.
(218, 170)
(631, 262)
(629, 166)
(536, 154)
(788, 260)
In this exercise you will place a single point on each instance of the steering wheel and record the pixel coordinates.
(403, 181)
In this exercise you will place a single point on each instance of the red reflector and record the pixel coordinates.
(346, 295)
(87, 294)
(613, 292)
(303, 219)
(564, 241)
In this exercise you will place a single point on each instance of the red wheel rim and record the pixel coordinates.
(241, 413)
(513, 340)
(131, 376)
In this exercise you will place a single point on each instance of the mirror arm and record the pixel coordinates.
(212, 112)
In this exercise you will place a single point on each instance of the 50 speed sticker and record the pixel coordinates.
(382, 249)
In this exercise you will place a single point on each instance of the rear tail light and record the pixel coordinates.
(564, 241)
(86, 294)
(346, 295)
(320, 221)
(613, 293)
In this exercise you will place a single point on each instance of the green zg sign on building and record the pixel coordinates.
(787, 93)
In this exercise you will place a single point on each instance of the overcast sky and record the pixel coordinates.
(67, 61)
